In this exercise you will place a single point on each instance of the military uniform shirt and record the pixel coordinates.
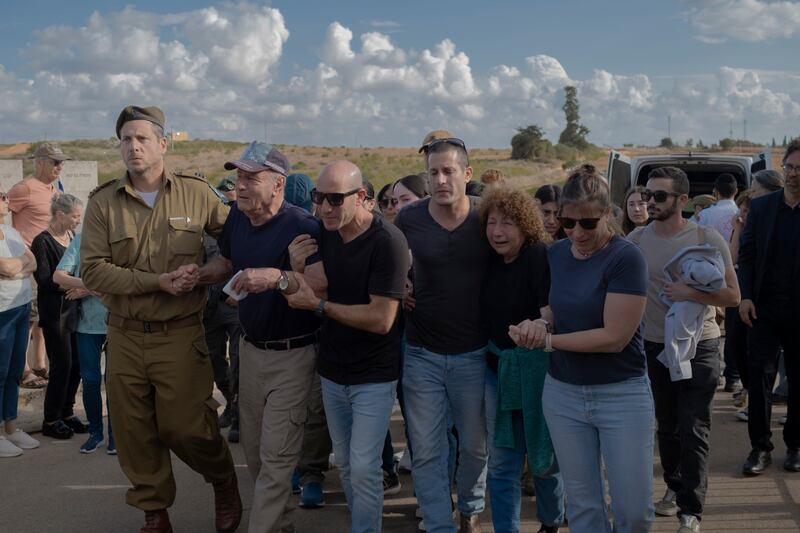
(126, 245)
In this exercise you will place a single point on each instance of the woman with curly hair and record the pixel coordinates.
(515, 289)
(634, 210)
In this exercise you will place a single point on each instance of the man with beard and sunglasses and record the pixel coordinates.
(278, 350)
(682, 403)
(365, 261)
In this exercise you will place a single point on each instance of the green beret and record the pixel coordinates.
(132, 112)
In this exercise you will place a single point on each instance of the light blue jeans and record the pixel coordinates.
(13, 344)
(505, 471)
(612, 425)
(433, 384)
(358, 419)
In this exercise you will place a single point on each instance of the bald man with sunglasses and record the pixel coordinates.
(278, 350)
(366, 261)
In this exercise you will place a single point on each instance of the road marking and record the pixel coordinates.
(96, 487)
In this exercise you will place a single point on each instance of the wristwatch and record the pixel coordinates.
(283, 281)
(320, 310)
(548, 326)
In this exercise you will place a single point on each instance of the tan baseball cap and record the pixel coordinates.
(432, 136)
(49, 150)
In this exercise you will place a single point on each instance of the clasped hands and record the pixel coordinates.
(529, 334)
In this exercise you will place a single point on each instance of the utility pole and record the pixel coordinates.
(265, 132)
(730, 134)
(744, 128)
(669, 126)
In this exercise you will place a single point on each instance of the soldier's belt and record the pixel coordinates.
(151, 326)
(285, 344)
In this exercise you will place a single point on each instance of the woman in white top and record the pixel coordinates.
(16, 265)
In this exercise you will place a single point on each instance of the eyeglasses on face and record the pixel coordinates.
(3, 197)
(56, 162)
(658, 196)
(585, 223)
(788, 168)
(384, 203)
(335, 199)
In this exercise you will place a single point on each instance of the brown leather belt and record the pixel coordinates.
(151, 326)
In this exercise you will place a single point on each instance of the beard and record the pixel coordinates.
(665, 212)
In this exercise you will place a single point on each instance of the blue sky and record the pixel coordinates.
(374, 73)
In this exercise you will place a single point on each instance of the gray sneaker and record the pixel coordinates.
(667, 505)
(689, 524)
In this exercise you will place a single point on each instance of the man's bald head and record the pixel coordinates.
(339, 176)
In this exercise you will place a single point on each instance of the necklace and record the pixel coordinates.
(64, 240)
(589, 254)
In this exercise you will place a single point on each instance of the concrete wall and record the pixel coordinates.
(10, 173)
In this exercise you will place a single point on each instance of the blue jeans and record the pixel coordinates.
(13, 344)
(612, 425)
(505, 471)
(433, 385)
(90, 345)
(358, 419)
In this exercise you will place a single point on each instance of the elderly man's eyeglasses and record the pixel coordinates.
(335, 199)
(658, 196)
(56, 162)
(788, 169)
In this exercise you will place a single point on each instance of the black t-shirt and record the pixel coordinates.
(267, 316)
(374, 263)
(449, 267)
(514, 292)
(48, 252)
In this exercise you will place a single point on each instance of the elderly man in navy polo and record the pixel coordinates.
(277, 352)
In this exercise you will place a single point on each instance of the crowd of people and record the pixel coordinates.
(533, 343)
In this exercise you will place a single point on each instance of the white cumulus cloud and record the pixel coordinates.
(744, 20)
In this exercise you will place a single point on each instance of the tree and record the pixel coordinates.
(529, 143)
(666, 142)
(574, 133)
(727, 143)
(689, 142)
(773, 142)
(784, 141)
(700, 143)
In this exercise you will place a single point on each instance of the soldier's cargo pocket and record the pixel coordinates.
(185, 237)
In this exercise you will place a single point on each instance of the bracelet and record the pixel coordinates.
(320, 310)
(548, 343)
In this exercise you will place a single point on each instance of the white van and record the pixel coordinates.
(702, 169)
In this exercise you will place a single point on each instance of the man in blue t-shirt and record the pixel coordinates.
(277, 353)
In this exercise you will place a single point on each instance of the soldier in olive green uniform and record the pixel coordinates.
(140, 232)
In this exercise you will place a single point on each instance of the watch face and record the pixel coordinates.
(283, 282)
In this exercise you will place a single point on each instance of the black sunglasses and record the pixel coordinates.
(586, 223)
(335, 199)
(658, 196)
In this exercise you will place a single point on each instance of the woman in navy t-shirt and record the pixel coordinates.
(596, 398)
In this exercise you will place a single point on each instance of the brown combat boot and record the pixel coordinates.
(470, 524)
(156, 522)
(227, 505)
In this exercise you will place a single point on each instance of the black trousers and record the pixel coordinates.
(65, 372)
(222, 330)
(683, 415)
(775, 327)
(735, 350)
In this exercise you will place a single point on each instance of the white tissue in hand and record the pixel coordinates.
(228, 289)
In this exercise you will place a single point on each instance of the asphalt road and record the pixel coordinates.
(56, 489)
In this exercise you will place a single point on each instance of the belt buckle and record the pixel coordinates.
(147, 328)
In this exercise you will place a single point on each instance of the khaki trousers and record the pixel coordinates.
(159, 393)
(274, 387)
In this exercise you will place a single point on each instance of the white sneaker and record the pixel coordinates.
(667, 505)
(742, 415)
(331, 461)
(689, 524)
(8, 448)
(22, 440)
(404, 465)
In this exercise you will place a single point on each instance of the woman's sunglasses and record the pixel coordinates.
(335, 199)
(386, 201)
(586, 223)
